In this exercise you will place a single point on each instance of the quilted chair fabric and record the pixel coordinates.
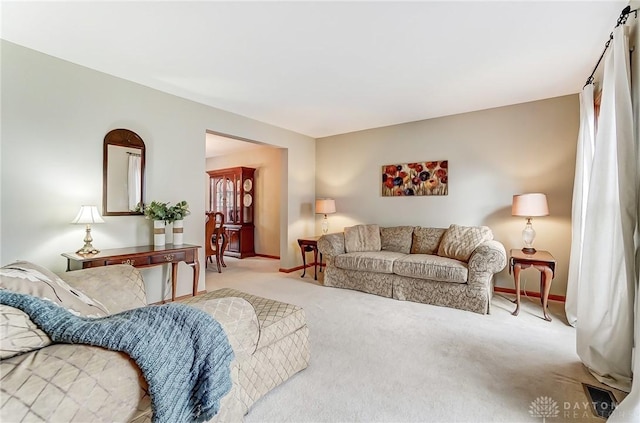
(283, 348)
(79, 383)
(170, 343)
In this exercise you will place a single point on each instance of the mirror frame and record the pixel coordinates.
(122, 138)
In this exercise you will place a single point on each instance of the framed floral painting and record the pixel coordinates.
(423, 178)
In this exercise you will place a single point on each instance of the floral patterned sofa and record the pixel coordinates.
(451, 267)
(54, 382)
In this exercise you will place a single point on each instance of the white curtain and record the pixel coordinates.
(584, 159)
(629, 409)
(134, 181)
(605, 298)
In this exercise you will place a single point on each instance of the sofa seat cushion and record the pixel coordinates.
(426, 266)
(276, 319)
(73, 383)
(372, 261)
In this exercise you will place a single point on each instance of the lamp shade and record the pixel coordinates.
(325, 206)
(88, 215)
(530, 205)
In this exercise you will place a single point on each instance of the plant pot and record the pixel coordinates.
(158, 233)
(178, 228)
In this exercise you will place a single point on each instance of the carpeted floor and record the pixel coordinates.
(376, 359)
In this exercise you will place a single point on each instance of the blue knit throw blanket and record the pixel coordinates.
(182, 351)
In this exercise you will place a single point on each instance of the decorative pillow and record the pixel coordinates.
(18, 334)
(396, 239)
(28, 278)
(361, 238)
(458, 242)
(426, 240)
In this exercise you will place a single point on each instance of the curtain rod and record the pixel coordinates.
(133, 154)
(624, 15)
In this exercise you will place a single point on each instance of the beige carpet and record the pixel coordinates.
(376, 359)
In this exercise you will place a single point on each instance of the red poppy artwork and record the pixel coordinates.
(421, 178)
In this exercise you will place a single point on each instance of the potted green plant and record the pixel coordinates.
(176, 215)
(159, 213)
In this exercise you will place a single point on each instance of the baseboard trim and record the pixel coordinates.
(295, 269)
(529, 293)
(292, 269)
(267, 256)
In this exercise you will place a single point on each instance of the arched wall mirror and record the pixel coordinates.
(123, 173)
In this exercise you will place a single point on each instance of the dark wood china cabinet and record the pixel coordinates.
(232, 193)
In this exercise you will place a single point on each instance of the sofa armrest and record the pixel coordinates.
(487, 259)
(331, 245)
(119, 287)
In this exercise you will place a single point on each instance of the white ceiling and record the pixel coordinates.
(217, 145)
(325, 68)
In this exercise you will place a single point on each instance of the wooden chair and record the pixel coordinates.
(215, 238)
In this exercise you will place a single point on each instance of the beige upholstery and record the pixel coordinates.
(362, 238)
(420, 275)
(458, 242)
(282, 348)
(426, 240)
(18, 333)
(377, 261)
(396, 238)
(80, 383)
(72, 383)
(105, 282)
(426, 266)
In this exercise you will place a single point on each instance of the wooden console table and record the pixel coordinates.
(540, 260)
(144, 256)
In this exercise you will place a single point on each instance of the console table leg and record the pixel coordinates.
(516, 277)
(547, 287)
(196, 276)
(174, 280)
(315, 263)
(304, 261)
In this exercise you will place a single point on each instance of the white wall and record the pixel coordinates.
(267, 192)
(55, 115)
(493, 154)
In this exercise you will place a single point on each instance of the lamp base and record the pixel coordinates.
(325, 225)
(84, 251)
(528, 250)
(88, 248)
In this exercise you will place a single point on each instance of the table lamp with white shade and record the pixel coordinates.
(88, 215)
(529, 206)
(325, 206)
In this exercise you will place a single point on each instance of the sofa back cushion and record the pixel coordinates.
(426, 240)
(396, 239)
(458, 242)
(362, 238)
